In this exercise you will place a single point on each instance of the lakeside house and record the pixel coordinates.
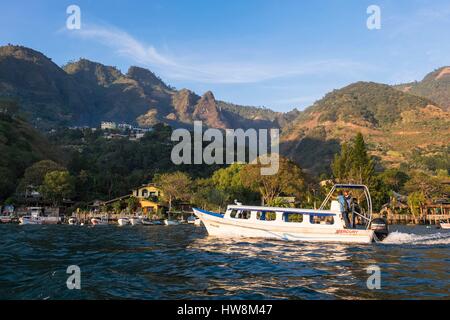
(148, 196)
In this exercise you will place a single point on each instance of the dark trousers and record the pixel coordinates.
(347, 220)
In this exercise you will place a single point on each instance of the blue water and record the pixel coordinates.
(182, 262)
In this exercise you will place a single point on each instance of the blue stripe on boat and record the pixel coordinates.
(219, 215)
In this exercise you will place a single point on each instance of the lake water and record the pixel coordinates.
(182, 262)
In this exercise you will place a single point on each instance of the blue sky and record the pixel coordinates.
(279, 54)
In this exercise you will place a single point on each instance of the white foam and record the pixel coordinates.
(397, 237)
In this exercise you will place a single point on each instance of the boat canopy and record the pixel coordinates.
(367, 216)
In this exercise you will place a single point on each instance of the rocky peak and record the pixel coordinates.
(208, 111)
(145, 77)
(93, 72)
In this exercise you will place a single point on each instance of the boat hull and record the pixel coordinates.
(445, 226)
(218, 226)
(30, 220)
(98, 222)
(171, 222)
(135, 221)
(123, 222)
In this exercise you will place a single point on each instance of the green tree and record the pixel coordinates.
(430, 187)
(394, 179)
(35, 175)
(207, 196)
(133, 204)
(229, 181)
(118, 206)
(57, 186)
(289, 180)
(353, 164)
(174, 186)
(415, 201)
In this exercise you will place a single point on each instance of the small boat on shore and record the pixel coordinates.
(30, 220)
(194, 220)
(135, 221)
(191, 219)
(6, 219)
(168, 222)
(72, 221)
(149, 222)
(103, 221)
(444, 225)
(294, 224)
(123, 221)
(36, 216)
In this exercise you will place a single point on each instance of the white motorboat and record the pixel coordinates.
(321, 225)
(30, 220)
(72, 221)
(36, 216)
(191, 219)
(168, 222)
(147, 222)
(194, 220)
(6, 219)
(123, 221)
(103, 221)
(444, 225)
(135, 221)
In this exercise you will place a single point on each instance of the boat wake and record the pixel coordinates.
(421, 239)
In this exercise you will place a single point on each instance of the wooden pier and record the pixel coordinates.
(429, 214)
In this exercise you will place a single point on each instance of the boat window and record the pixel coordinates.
(266, 215)
(321, 219)
(240, 214)
(293, 217)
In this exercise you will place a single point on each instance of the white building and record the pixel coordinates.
(105, 125)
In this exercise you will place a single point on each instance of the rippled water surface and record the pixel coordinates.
(182, 262)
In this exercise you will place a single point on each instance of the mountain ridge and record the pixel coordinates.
(395, 119)
(85, 92)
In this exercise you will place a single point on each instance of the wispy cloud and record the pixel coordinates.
(177, 68)
(409, 24)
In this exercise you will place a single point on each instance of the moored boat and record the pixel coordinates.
(191, 219)
(36, 216)
(321, 225)
(444, 225)
(30, 220)
(103, 221)
(168, 222)
(72, 221)
(6, 219)
(135, 221)
(123, 221)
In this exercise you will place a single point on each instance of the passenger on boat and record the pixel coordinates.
(344, 208)
(350, 208)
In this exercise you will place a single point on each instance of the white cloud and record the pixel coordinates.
(211, 72)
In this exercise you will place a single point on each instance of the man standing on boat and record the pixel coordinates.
(350, 207)
(344, 207)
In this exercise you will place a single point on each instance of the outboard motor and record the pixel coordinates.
(380, 226)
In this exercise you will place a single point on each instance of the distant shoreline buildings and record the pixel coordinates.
(113, 130)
